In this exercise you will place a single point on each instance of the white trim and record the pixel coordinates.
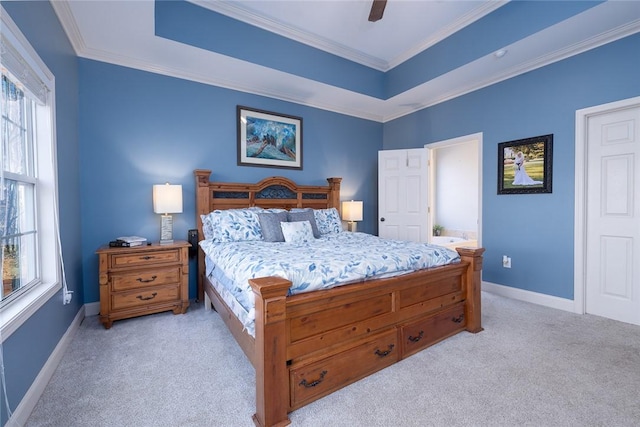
(63, 11)
(31, 397)
(92, 309)
(529, 296)
(580, 220)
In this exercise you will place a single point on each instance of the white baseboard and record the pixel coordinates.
(31, 397)
(92, 309)
(529, 296)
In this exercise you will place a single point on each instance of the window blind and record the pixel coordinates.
(14, 63)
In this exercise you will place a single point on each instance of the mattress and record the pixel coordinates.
(332, 260)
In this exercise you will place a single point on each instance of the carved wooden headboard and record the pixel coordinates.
(272, 192)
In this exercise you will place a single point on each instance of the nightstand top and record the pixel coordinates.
(154, 245)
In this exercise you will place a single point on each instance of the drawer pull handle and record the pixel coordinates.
(313, 383)
(458, 319)
(147, 257)
(141, 280)
(141, 298)
(418, 338)
(384, 353)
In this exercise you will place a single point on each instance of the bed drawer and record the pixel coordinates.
(424, 332)
(145, 278)
(144, 297)
(148, 257)
(318, 379)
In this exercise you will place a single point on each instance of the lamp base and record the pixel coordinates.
(352, 226)
(166, 230)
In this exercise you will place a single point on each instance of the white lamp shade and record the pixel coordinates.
(352, 211)
(167, 198)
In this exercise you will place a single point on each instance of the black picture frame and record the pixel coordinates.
(525, 165)
(269, 139)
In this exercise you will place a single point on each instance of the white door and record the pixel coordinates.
(402, 194)
(613, 215)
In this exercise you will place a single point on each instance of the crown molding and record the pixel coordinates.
(69, 24)
(610, 36)
(236, 11)
(343, 101)
(594, 42)
(129, 62)
(240, 13)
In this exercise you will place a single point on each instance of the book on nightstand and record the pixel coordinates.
(128, 241)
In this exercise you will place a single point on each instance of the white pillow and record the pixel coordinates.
(297, 232)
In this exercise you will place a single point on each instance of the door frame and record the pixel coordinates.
(580, 207)
(474, 137)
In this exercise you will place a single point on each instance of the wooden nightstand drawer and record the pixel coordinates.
(144, 258)
(143, 297)
(145, 278)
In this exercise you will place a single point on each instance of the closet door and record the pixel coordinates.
(403, 194)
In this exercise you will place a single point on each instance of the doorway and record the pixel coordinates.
(455, 188)
(607, 235)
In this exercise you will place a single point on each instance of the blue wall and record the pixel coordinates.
(535, 230)
(27, 349)
(138, 129)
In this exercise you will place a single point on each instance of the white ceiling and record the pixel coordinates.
(122, 33)
(341, 26)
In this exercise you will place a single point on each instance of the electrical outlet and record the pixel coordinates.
(506, 261)
(67, 295)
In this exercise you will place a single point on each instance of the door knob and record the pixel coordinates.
(382, 219)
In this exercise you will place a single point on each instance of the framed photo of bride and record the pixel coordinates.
(525, 165)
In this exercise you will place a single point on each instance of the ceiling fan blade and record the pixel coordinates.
(377, 9)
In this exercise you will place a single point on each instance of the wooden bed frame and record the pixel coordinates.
(308, 345)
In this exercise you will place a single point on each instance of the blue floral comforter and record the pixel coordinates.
(332, 260)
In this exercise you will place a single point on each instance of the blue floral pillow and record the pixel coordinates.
(231, 225)
(297, 232)
(328, 220)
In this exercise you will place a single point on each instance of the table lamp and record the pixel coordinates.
(167, 199)
(352, 212)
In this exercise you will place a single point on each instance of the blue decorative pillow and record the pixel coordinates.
(270, 225)
(231, 225)
(297, 232)
(304, 215)
(328, 220)
(207, 228)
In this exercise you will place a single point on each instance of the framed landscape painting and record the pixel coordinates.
(269, 139)
(525, 165)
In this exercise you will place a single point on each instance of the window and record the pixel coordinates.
(31, 265)
(18, 236)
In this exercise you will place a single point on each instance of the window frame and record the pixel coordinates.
(17, 311)
(28, 178)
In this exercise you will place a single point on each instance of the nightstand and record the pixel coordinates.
(143, 280)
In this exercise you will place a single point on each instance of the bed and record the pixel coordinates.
(307, 345)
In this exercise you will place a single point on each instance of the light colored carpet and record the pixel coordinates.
(532, 366)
